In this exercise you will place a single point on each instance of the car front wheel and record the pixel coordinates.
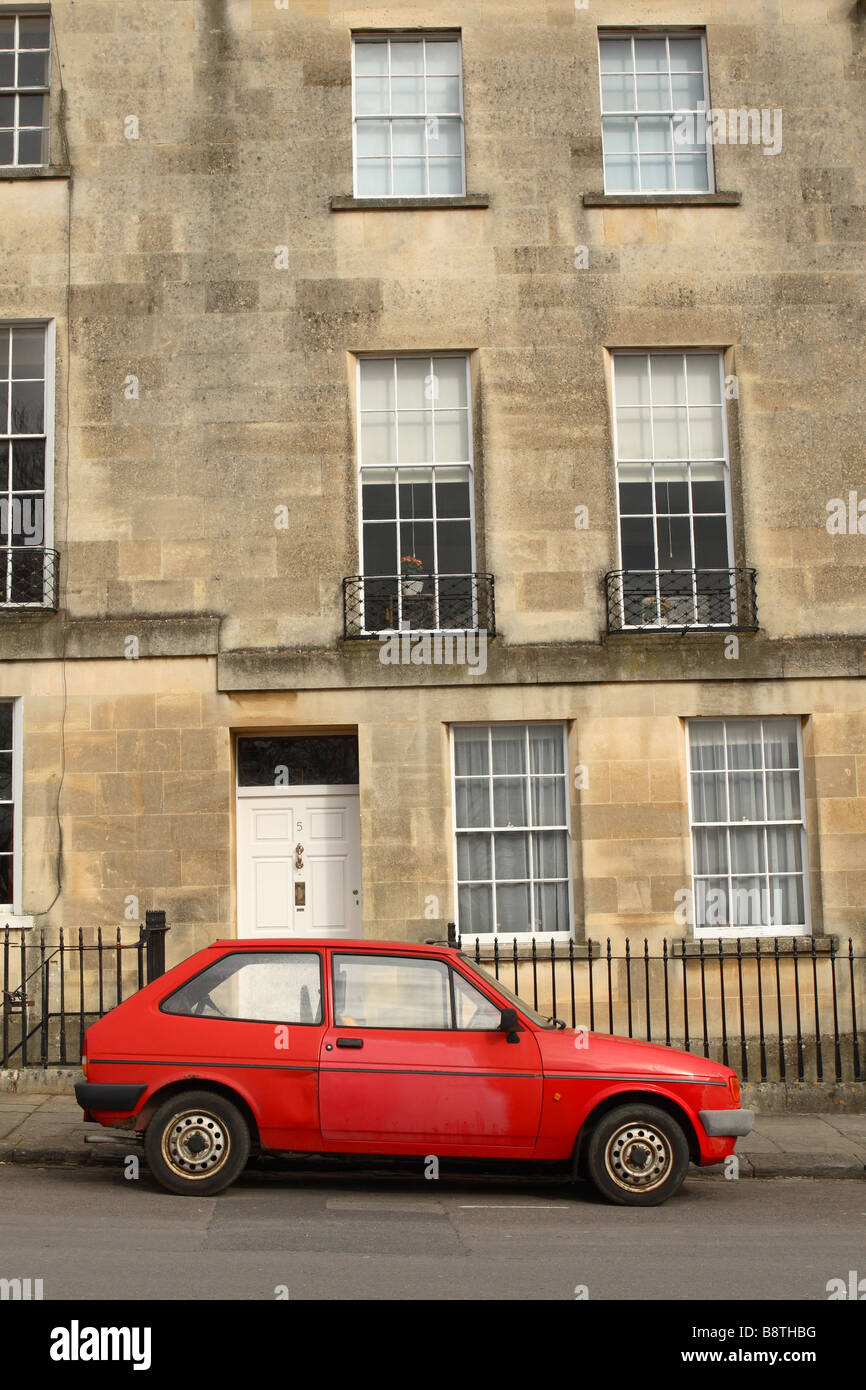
(637, 1156)
(197, 1143)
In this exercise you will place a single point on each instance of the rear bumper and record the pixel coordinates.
(118, 1099)
(727, 1124)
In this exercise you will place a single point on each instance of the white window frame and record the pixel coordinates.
(688, 461)
(49, 327)
(719, 931)
(398, 467)
(18, 12)
(665, 34)
(413, 37)
(17, 800)
(522, 938)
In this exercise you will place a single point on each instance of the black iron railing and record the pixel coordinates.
(28, 577)
(53, 989)
(378, 603)
(682, 600)
(777, 1009)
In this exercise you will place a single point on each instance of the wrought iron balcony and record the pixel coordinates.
(29, 577)
(681, 600)
(373, 604)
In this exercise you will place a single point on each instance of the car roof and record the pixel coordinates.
(334, 943)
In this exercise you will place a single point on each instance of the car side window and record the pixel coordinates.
(265, 987)
(472, 1009)
(391, 992)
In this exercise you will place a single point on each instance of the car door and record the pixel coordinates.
(396, 1075)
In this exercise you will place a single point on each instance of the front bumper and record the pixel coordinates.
(116, 1098)
(727, 1124)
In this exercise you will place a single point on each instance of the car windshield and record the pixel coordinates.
(518, 1003)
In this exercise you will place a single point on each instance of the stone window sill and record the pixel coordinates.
(52, 171)
(350, 204)
(662, 200)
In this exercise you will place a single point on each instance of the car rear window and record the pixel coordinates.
(261, 986)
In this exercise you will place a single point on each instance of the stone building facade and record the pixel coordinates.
(324, 297)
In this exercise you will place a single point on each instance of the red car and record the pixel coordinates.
(368, 1047)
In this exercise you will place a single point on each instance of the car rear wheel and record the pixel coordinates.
(637, 1156)
(197, 1143)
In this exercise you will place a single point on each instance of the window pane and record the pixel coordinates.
(509, 802)
(28, 352)
(472, 1009)
(785, 848)
(616, 54)
(377, 383)
(472, 802)
(443, 94)
(406, 57)
(7, 32)
(747, 851)
(653, 93)
(780, 743)
(546, 753)
(33, 31)
(28, 407)
(511, 856)
(446, 177)
(749, 905)
(454, 540)
(451, 379)
(408, 138)
(443, 57)
(711, 542)
(371, 58)
(509, 750)
(549, 851)
(656, 173)
(631, 374)
(707, 743)
(471, 751)
(787, 901)
(308, 760)
(709, 802)
(711, 902)
(692, 174)
(620, 137)
(783, 796)
(378, 438)
(452, 497)
(685, 53)
(474, 859)
(414, 392)
(687, 89)
(711, 851)
(747, 797)
(548, 800)
(415, 435)
(638, 545)
(617, 93)
(452, 436)
(744, 743)
(654, 135)
(371, 96)
(633, 434)
(5, 724)
(444, 137)
(407, 95)
(389, 992)
(32, 69)
(373, 138)
(410, 178)
(651, 54)
(512, 908)
(620, 173)
(266, 987)
(551, 907)
(476, 910)
(6, 776)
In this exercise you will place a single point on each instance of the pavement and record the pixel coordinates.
(45, 1129)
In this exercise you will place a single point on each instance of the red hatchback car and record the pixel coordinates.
(365, 1047)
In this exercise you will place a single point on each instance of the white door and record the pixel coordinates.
(299, 863)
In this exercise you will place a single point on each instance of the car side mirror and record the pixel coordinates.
(510, 1023)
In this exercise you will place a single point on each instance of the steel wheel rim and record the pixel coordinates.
(196, 1144)
(638, 1157)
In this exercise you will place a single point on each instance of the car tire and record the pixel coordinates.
(637, 1156)
(197, 1143)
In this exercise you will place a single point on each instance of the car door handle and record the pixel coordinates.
(350, 1042)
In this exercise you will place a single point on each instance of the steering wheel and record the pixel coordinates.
(199, 1007)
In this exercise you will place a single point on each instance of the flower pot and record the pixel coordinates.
(411, 587)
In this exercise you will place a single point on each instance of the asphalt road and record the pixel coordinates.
(92, 1234)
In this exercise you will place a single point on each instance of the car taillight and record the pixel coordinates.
(84, 1065)
(734, 1088)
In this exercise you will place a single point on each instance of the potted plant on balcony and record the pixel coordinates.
(410, 570)
(654, 611)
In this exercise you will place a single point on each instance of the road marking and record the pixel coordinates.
(514, 1206)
